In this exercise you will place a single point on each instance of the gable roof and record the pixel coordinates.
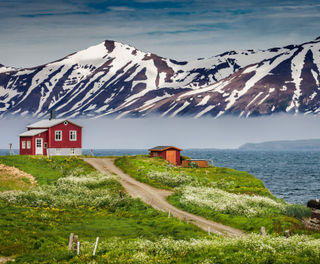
(32, 132)
(49, 123)
(162, 148)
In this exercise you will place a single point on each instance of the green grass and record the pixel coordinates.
(45, 170)
(224, 178)
(35, 224)
(143, 168)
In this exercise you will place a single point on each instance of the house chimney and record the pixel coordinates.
(52, 114)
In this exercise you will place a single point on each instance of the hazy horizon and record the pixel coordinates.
(221, 133)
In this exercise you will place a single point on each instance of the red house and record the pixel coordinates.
(169, 153)
(52, 137)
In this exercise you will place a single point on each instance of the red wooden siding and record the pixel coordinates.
(164, 155)
(32, 150)
(65, 142)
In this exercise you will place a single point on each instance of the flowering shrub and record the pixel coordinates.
(249, 249)
(95, 189)
(170, 179)
(229, 203)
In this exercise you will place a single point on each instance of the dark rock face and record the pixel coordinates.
(314, 204)
(113, 79)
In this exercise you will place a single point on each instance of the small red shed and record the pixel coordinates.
(52, 137)
(169, 153)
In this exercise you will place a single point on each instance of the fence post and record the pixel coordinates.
(263, 231)
(169, 214)
(78, 248)
(287, 233)
(209, 230)
(70, 242)
(95, 247)
(75, 239)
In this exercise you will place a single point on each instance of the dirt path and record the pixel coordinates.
(157, 198)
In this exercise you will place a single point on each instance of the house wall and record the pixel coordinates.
(163, 154)
(32, 150)
(201, 163)
(65, 142)
(178, 162)
(25, 151)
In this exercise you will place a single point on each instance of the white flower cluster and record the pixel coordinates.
(169, 178)
(146, 251)
(229, 203)
(69, 191)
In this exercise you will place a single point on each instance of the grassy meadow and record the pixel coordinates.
(228, 196)
(71, 196)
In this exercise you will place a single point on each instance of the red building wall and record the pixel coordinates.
(163, 154)
(65, 142)
(32, 150)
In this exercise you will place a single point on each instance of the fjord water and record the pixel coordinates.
(291, 175)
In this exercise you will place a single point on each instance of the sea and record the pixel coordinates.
(291, 175)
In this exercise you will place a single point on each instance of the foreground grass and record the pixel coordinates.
(12, 179)
(231, 197)
(35, 224)
(45, 170)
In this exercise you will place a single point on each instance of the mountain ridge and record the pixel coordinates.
(284, 145)
(117, 80)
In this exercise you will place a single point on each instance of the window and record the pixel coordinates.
(45, 145)
(65, 123)
(23, 144)
(58, 134)
(73, 152)
(28, 144)
(73, 135)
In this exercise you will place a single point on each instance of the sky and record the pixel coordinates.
(34, 32)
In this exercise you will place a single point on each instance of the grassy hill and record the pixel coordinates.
(72, 197)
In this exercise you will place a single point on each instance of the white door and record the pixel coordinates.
(39, 146)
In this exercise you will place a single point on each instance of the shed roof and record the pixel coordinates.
(49, 123)
(32, 132)
(162, 148)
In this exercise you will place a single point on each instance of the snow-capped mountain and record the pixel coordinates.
(114, 79)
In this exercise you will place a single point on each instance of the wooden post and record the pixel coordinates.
(263, 231)
(75, 239)
(10, 147)
(169, 214)
(78, 247)
(287, 233)
(95, 247)
(209, 230)
(70, 242)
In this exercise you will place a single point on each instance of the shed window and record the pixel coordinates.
(28, 144)
(73, 135)
(23, 144)
(58, 135)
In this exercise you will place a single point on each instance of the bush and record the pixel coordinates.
(229, 203)
(298, 211)
(97, 190)
(193, 165)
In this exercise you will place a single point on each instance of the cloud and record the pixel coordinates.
(177, 29)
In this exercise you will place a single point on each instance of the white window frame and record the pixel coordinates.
(75, 135)
(57, 132)
(23, 144)
(28, 144)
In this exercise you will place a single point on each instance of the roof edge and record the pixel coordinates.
(169, 147)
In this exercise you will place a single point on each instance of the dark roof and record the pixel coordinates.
(162, 148)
